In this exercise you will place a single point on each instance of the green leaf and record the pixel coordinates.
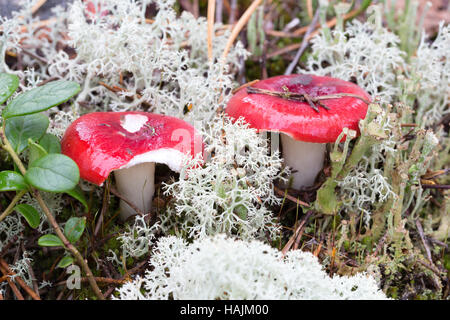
(65, 262)
(8, 84)
(41, 98)
(19, 130)
(30, 214)
(53, 173)
(12, 181)
(36, 151)
(78, 194)
(50, 143)
(50, 240)
(74, 228)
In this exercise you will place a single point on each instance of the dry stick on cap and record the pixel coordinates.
(289, 105)
(129, 144)
(304, 97)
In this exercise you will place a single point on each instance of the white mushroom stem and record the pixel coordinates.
(305, 158)
(136, 184)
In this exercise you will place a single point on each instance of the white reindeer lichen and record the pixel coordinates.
(431, 68)
(365, 186)
(231, 192)
(138, 238)
(364, 52)
(21, 268)
(166, 57)
(223, 268)
(10, 228)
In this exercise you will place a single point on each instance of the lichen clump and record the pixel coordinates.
(231, 193)
(221, 268)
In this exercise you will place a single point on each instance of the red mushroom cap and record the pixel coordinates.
(296, 118)
(101, 142)
(92, 11)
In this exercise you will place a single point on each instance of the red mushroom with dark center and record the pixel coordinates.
(309, 111)
(129, 143)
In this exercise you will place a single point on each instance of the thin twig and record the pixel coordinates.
(424, 241)
(288, 196)
(302, 31)
(380, 244)
(37, 6)
(12, 204)
(437, 242)
(431, 267)
(219, 11)
(105, 207)
(296, 233)
(245, 85)
(38, 24)
(196, 9)
(233, 11)
(434, 174)
(98, 279)
(210, 22)
(303, 45)
(239, 26)
(33, 55)
(331, 23)
(436, 186)
(40, 84)
(128, 202)
(13, 286)
(408, 125)
(7, 271)
(68, 245)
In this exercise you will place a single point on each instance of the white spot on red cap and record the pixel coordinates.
(133, 122)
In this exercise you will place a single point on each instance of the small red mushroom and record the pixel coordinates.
(309, 111)
(129, 143)
(92, 11)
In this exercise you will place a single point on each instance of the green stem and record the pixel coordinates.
(11, 206)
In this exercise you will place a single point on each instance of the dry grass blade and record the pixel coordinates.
(309, 8)
(288, 196)
(19, 280)
(424, 241)
(210, 19)
(297, 232)
(99, 280)
(239, 26)
(245, 85)
(38, 5)
(12, 285)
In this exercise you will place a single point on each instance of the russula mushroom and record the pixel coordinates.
(129, 143)
(308, 111)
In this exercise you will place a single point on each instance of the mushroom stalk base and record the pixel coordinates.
(137, 184)
(305, 158)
